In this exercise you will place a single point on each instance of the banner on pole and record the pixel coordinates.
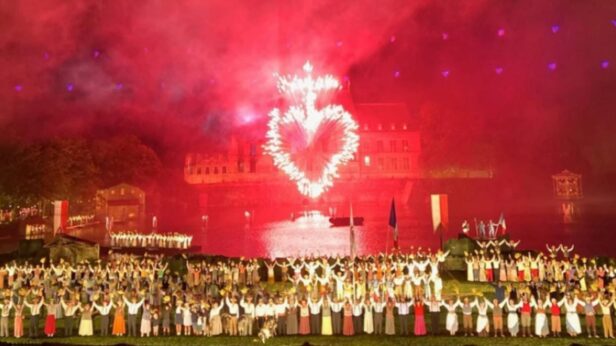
(60, 215)
(440, 212)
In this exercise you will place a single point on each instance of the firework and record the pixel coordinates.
(312, 125)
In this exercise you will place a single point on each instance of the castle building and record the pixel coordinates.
(389, 148)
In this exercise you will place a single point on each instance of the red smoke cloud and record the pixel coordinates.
(176, 72)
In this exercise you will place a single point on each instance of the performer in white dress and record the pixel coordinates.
(451, 323)
(541, 319)
(483, 323)
(368, 320)
(513, 321)
(572, 319)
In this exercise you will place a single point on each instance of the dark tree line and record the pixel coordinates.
(73, 168)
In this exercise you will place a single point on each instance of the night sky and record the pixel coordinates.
(528, 83)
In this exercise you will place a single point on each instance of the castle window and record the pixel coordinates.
(199, 171)
(224, 169)
(381, 163)
(380, 127)
(215, 170)
(406, 164)
(366, 160)
(394, 164)
(207, 170)
(404, 126)
(379, 146)
(392, 146)
(405, 145)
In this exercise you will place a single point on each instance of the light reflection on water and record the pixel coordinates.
(308, 232)
(275, 231)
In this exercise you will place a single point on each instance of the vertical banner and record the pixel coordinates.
(393, 222)
(440, 212)
(60, 215)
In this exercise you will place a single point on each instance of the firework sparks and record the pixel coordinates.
(310, 120)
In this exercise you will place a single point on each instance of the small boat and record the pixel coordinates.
(346, 221)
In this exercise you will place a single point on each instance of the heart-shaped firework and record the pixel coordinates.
(310, 144)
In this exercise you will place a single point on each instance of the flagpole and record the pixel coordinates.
(386, 241)
(352, 236)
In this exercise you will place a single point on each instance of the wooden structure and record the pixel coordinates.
(122, 203)
(72, 249)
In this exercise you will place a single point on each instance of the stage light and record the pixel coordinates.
(396, 74)
(96, 53)
(339, 44)
(46, 56)
(555, 28)
(392, 39)
(498, 70)
(18, 88)
(119, 86)
(552, 66)
(444, 36)
(308, 118)
(70, 87)
(445, 73)
(501, 32)
(605, 64)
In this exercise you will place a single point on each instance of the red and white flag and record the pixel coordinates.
(60, 215)
(440, 212)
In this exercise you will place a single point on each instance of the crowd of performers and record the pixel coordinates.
(36, 231)
(151, 240)
(79, 220)
(383, 295)
(490, 265)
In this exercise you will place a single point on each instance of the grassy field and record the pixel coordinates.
(316, 340)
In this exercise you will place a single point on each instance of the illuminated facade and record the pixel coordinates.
(389, 148)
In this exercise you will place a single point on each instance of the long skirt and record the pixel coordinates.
(573, 323)
(50, 325)
(502, 274)
(541, 325)
(85, 327)
(326, 325)
(119, 325)
(390, 325)
(513, 323)
(292, 324)
(18, 327)
(452, 322)
(483, 324)
(215, 325)
(304, 325)
(146, 326)
(420, 325)
(347, 325)
(368, 323)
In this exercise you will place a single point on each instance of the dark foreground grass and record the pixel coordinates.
(363, 340)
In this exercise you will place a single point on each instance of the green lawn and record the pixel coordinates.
(316, 340)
